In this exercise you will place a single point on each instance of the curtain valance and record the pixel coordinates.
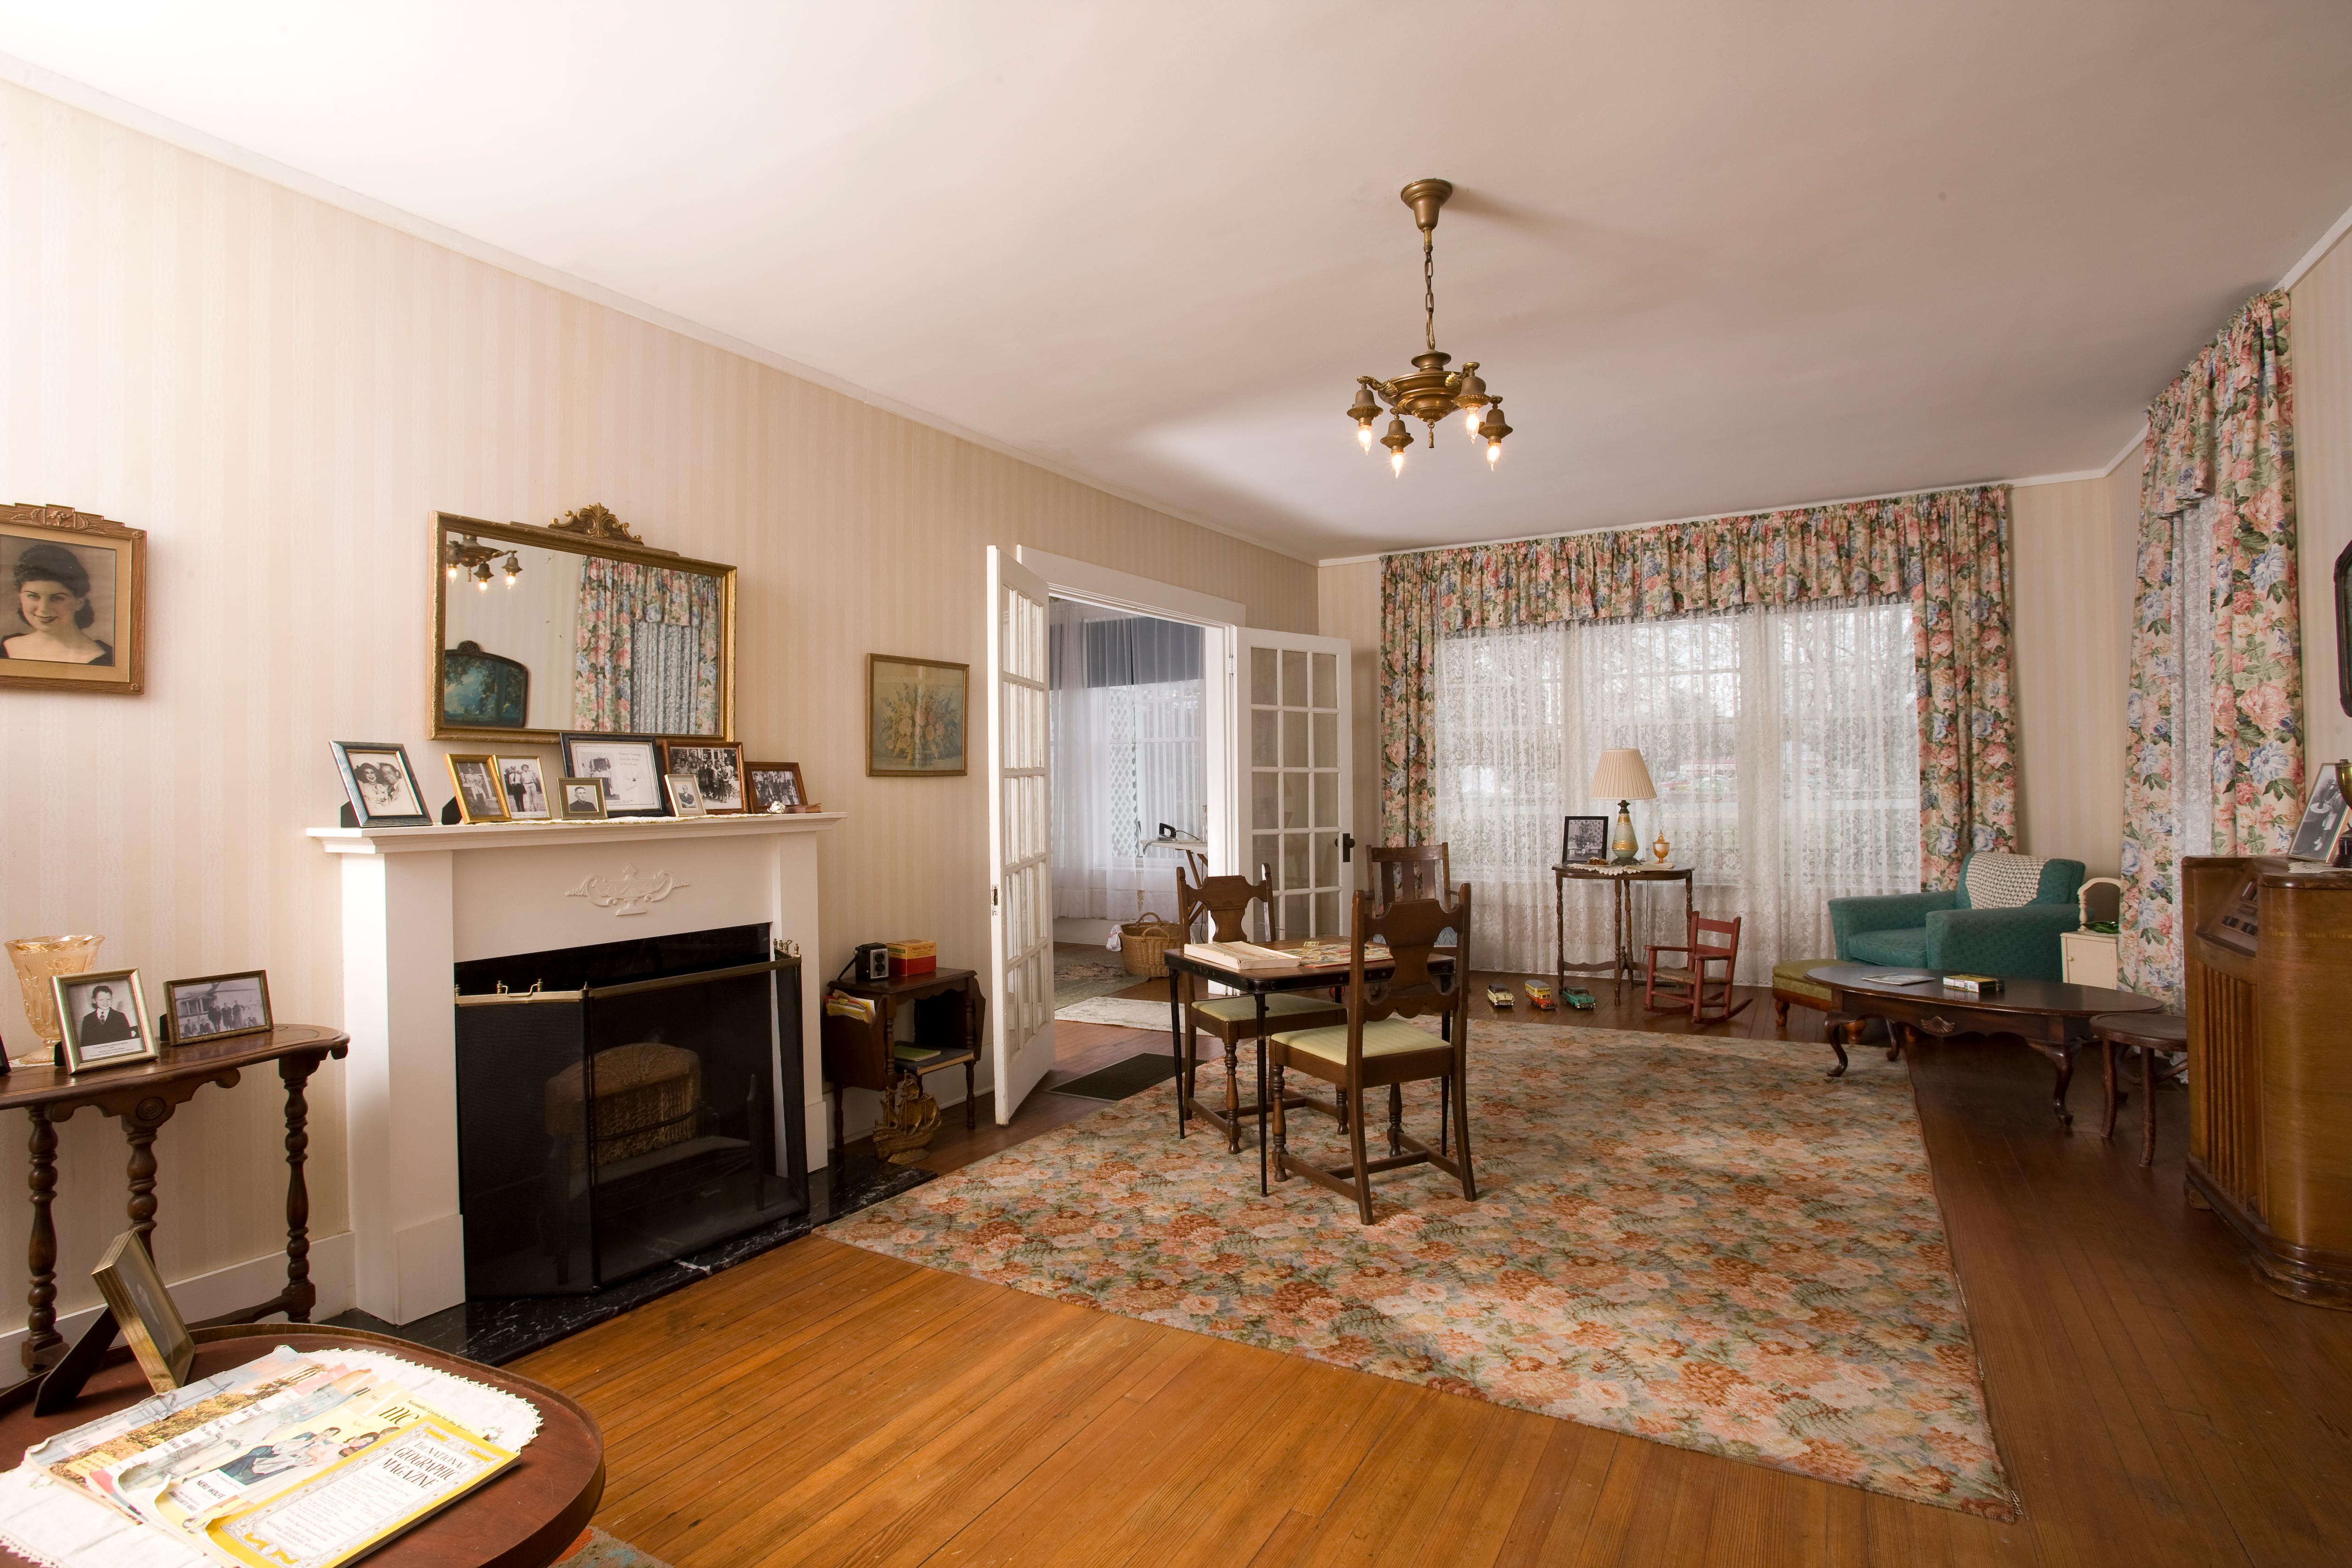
(1945, 551)
(2223, 431)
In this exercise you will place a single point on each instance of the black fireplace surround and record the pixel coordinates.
(618, 1107)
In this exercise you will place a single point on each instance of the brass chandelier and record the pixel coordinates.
(1431, 391)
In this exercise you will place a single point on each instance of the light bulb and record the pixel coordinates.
(1396, 464)
(453, 570)
(1470, 422)
(1493, 451)
(481, 584)
(1364, 434)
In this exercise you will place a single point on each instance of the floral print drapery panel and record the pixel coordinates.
(2224, 429)
(646, 649)
(1946, 552)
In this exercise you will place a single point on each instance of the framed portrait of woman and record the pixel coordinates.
(382, 787)
(75, 615)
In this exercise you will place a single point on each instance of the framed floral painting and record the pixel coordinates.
(915, 717)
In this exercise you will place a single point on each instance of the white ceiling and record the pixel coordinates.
(1716, 255)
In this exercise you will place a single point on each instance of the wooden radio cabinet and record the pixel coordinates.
(2269, 950)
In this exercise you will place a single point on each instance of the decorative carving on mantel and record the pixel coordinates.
(628, 893)
(595, 521)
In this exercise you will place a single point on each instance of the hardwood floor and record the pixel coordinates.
(824, 1406)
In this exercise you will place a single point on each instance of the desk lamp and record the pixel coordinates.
(1621, 775)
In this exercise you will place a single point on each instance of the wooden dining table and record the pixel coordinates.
(1259, 983)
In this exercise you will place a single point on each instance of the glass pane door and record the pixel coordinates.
(1296, 798)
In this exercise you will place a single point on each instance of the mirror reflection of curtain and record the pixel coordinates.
(1127, 754)
(646, 649)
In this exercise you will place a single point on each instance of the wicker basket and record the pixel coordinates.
(1143, 944)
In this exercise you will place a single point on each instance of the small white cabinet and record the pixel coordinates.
(2089, 958)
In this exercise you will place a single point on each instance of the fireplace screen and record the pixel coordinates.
(607, 1128)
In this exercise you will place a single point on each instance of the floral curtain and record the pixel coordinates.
(1946, 552)
(2224, 434)
(646, 649)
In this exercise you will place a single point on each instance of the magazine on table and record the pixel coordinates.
(294, 1460)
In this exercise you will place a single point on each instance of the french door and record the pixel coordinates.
(1297, 802)
(1020, 832)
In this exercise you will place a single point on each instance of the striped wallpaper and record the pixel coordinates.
(280, 393)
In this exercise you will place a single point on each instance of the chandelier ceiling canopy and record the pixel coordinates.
(1431, 392)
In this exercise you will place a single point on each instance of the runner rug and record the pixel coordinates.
(1698, 1241)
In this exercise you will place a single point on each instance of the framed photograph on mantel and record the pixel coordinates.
(915, 717)
(76, 617)
(630, 766)
(717, 769)
(777, 787)
(382, 787)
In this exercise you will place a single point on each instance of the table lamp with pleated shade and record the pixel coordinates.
(1621, 776)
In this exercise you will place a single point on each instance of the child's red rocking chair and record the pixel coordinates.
(1708, 1001)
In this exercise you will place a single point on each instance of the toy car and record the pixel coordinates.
(1578, 997)
(1539, 996)
(1499, 998)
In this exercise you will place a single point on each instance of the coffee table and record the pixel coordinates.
(2051, 1018)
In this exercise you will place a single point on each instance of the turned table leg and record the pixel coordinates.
(42, 1342)
(301, 1294)
(139, 1130)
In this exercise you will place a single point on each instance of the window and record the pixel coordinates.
(1784, 745)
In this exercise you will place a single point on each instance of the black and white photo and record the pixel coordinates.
(475, 780)
(630, 766)
(382, 785)
(581, 800)
(686, 797)
(776, 786)
(213, 1006)
(1583, 838)
(716, 767)
(525, 788)
(104, 1019)
(75, 613)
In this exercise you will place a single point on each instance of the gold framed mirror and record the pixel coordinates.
(577, 626)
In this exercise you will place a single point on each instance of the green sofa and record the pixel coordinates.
(1951, 932)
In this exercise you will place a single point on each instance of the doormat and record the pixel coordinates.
(1696, 1241)
(1120, 1079)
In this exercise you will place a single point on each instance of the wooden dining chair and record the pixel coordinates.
(1691, 991)
(1226, 902)
(1407, 871)
(1375, 1047)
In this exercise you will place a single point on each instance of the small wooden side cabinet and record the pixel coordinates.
(2088, 958)
(858, 1055)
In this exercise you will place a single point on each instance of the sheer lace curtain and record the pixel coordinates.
(1784, 745)
(1127, 755)
(2199, 775)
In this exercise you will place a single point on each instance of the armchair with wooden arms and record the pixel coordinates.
(1375, 1047)
(1226, 902)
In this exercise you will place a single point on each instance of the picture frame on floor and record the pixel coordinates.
(144, 1310)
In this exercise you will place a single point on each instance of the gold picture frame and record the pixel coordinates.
(519, 779)
(480, 796)
(579, 799)
(218, 1006)
(54, 558)
(918, 716)
(144, 1310)
(108, 1034)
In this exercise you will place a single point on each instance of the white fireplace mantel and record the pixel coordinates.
(419, 901)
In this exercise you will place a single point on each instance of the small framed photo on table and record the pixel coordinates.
(686, 797)
(776, 786)
(717, 769)
(103, 1017)
(214, 1006)
(382, 787)
(580, 800)
(2322, 834)
(524, 787)
(1582, 839)
(630, 766)
(481, 797)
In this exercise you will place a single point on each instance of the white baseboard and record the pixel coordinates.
(225, 1291)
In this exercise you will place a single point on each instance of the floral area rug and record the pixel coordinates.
(1698, 1241)
(1081, 972)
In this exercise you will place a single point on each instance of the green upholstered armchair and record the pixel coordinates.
(2004, 919)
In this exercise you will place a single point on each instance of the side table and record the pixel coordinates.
(859, 1055)
(143, 1096)
(1626, 963)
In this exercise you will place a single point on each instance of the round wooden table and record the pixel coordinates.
(2148, 1032)
(522, 1519)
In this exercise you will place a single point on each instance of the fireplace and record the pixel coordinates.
(622, 1104)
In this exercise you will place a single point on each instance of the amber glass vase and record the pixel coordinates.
(38, 959)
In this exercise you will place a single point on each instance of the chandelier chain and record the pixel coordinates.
(1429, 287)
